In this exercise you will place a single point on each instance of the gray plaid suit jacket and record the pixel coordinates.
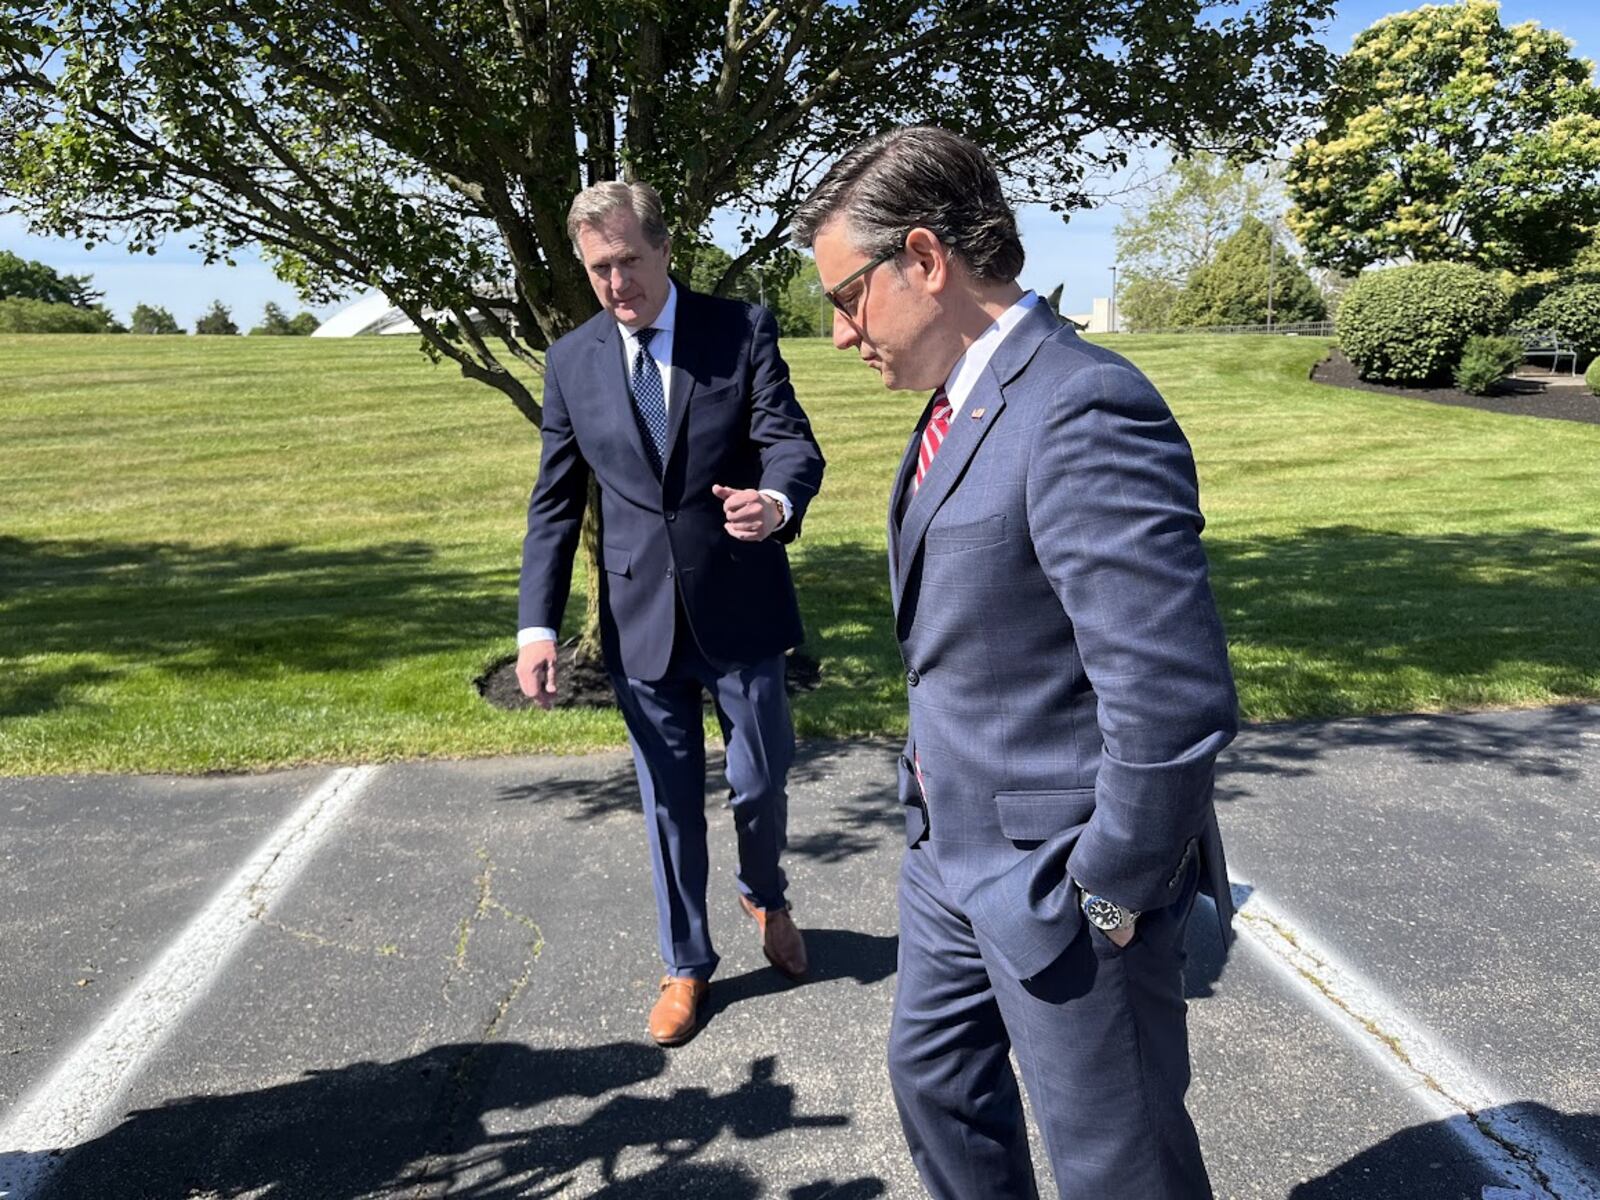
(1066, 668)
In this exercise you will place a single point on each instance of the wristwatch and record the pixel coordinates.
(1107, 915)
(777, 504)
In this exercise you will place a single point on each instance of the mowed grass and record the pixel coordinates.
(223, 553)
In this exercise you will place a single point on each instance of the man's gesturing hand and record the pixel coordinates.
(750, 516)
(536, 672)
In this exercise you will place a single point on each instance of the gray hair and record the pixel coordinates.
(925, 176)
(599, 200)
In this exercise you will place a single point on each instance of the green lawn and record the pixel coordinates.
(235, 553)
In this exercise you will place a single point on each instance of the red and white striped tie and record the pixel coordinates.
(933, 435)
(932, 438)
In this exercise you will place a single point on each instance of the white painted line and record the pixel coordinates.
(1532, 1163)
(79, 1097)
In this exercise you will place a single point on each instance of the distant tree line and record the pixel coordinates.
(35, 298)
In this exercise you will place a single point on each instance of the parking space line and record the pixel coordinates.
(1533, 1164)
(78, 1098)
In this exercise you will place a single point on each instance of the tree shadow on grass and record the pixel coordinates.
(844, 596)
(421, 1125)
(1340, 619)
(245, 610)
(1325, 620)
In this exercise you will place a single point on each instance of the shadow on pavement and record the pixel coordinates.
(418, 1125)
(1430, 1162)
(853, 825)
(1530, 743)
(1204, 956)
(866, 958)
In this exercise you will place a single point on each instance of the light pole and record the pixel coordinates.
(1272, 271)
(1111, 316)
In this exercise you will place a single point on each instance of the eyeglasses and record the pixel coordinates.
(847, 307)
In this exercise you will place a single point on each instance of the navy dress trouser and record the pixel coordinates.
(666, 732)
(1100, 1036)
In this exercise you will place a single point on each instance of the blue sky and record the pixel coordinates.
(1079, 254)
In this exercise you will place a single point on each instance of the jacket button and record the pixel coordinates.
(669, 572)
(672, 514)
(913, 677)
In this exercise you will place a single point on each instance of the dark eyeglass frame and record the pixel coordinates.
(832, 293)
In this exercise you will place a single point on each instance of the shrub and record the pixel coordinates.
(1593, 377)
(1573, 312)
(1485, 360)
(152, 318)
(21, 315)
(1410, 324)
(216, 320)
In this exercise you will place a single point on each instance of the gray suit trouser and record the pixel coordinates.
(1100, 1036)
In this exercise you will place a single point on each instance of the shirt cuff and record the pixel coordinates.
(534, 633)
(788, 509)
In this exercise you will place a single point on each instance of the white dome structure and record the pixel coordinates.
(372, 313)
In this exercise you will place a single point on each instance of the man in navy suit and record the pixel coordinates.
(679, 407)
(1069, 690)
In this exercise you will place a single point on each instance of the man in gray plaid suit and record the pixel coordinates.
(1069, 691)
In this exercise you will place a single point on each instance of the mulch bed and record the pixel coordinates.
(1519, 397)
(586, 685)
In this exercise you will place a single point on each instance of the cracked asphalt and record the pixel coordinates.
(450, 998)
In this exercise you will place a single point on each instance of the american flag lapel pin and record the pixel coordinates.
(977, 413)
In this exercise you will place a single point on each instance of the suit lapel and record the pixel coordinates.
(898, 492)
(967, 431)
(685, 369)
(970, 426)
(615, 395)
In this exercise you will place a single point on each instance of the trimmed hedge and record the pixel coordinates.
(1574, 313)
(1485, 361)
(1410, 324)
(1593, 377)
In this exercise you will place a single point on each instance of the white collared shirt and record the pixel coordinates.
(970, 366)
(660, 345)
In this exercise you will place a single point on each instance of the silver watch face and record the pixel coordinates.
(1103, 914)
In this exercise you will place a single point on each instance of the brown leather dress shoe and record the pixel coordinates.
(780, 938)
(676, 1015)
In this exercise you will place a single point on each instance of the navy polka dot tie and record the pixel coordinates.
(650, 399)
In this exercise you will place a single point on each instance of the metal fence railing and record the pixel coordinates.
(1283, 328)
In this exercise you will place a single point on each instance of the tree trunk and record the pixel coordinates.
(588, 648)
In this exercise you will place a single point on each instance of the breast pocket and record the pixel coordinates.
(719, 395)
(966, 535)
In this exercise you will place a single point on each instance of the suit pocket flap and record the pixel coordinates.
(1037, 816)
(969, 535)
(618, 560)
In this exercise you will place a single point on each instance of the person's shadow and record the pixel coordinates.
(867, 958)
(1450, 1160)
(419, 1126)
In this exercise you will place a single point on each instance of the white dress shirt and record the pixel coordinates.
(970, 366)
(660, 350)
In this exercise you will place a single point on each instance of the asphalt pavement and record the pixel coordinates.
(436, 977)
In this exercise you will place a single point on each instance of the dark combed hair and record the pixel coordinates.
(920, 175)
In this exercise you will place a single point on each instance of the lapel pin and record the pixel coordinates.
(977, 413)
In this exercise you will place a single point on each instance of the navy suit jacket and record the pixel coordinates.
(1067, 672)
(733, 419)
